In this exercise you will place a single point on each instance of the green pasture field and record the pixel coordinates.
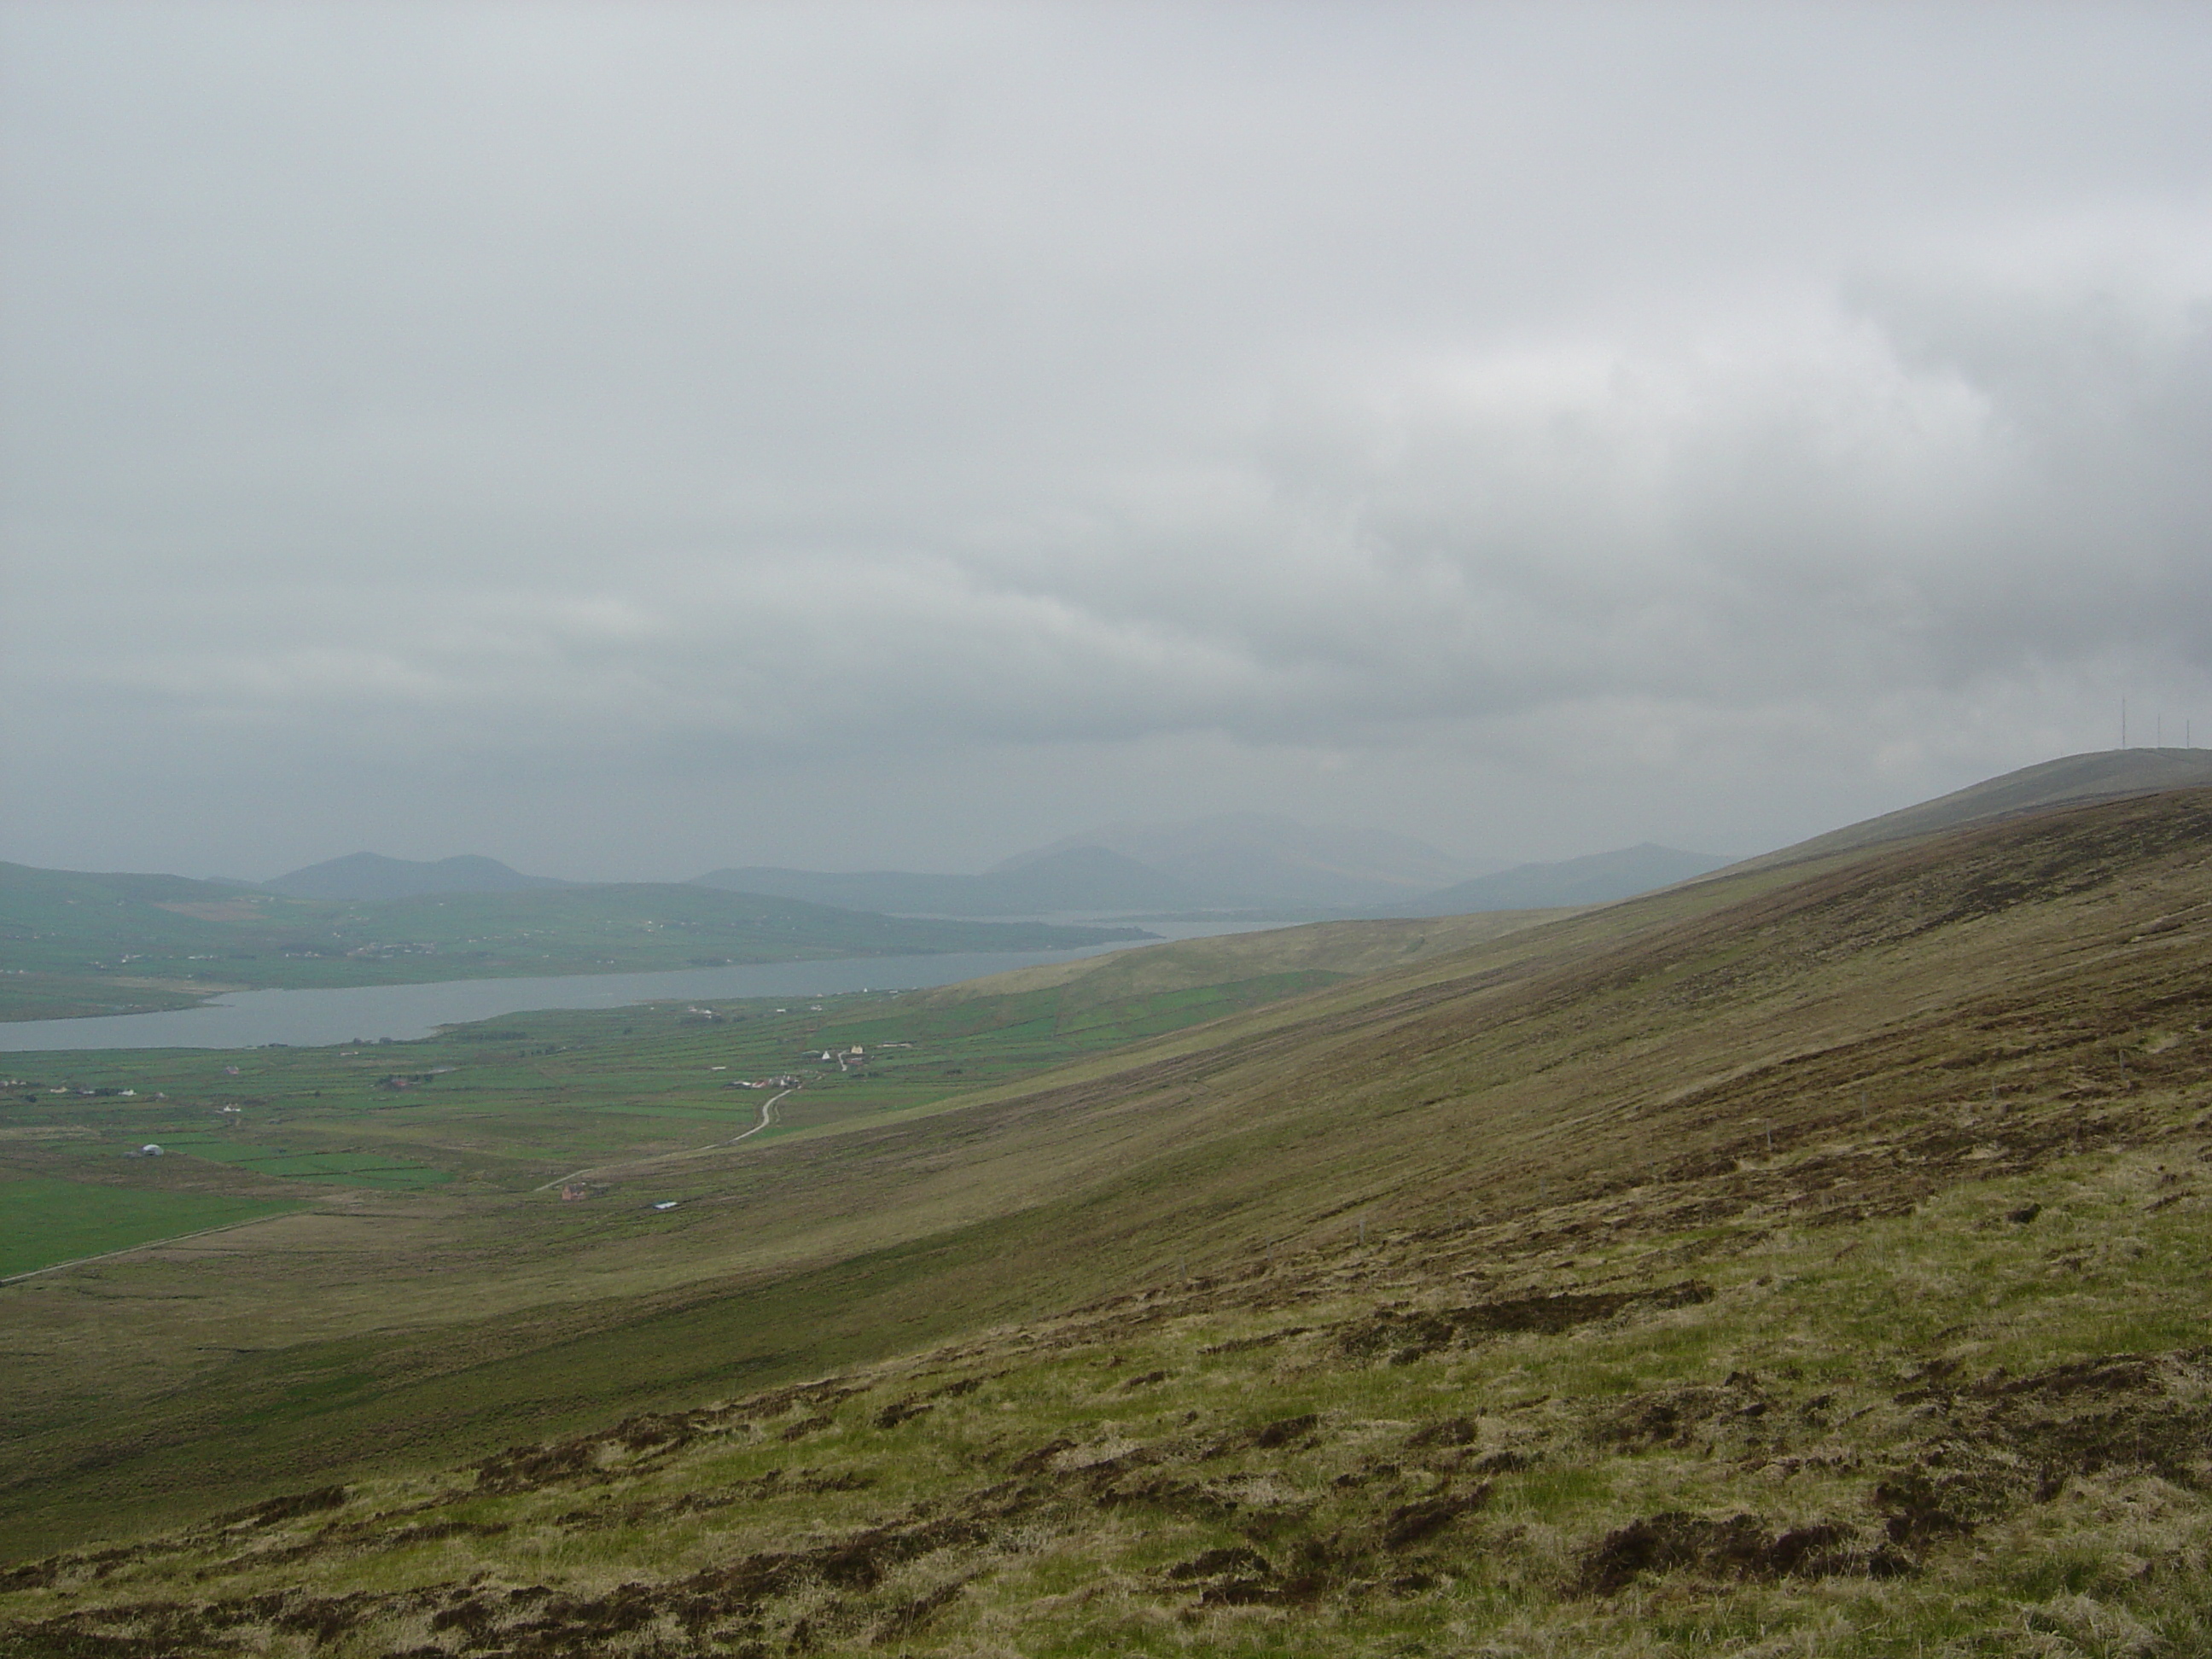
(350, 1169)
(43, 1221)
(511, 1103)
(1808, 1262)
(451, 1145)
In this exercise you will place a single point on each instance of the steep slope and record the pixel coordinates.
(2103, 775)
(1076, 878)
(371, 875)
(1822, 1255)
(1597, 879)
(1344, 949)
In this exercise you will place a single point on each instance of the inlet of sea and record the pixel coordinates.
(399, 1013)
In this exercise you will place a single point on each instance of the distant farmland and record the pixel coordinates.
(43, 1221)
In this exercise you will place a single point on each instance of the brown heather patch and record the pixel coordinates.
(1824, 1273)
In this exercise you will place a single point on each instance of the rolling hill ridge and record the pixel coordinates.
(2101, 775)
(1811, 1255)
(73, 943)
(371, 875)
(1598, 879)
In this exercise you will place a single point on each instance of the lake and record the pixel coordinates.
(246, 1019)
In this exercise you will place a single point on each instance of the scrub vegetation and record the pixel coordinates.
(1807, 1261)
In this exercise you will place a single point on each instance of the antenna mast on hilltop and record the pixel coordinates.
(2124, 722)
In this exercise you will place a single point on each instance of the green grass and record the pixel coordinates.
(497, 1110)
(351, 1169)
(507, 1100)
(1583, 1109)
(1099, 1548)
(43, 1221)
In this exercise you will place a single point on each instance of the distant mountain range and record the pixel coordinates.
(371, 876)
(1232, 861)
(81, 943)
(1239, 860)
(1255, 860)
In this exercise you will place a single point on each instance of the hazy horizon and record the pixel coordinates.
(629, 441)
(1094, 835)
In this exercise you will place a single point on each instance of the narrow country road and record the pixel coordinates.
(767, 1116)
(767, 1119)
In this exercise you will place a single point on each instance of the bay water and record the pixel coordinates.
(246, 1019)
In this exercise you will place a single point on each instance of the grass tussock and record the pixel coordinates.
(1821, 1272)
(1906, 1435)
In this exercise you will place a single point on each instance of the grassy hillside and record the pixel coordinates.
(374, 876)
(1805, 1263)
(76, 944)
(474, 1124)
(1598, 878)
(2102, 774)
(1343, 949)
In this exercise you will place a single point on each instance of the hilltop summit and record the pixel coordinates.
(364, 876)
(2071, 779)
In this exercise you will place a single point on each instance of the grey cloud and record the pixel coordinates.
(693, 396)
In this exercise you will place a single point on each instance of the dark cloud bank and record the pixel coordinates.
(632, 440)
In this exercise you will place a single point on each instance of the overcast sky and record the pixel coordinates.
(626, 438)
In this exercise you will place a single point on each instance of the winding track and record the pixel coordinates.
(767, 1119)
(767, 1116)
